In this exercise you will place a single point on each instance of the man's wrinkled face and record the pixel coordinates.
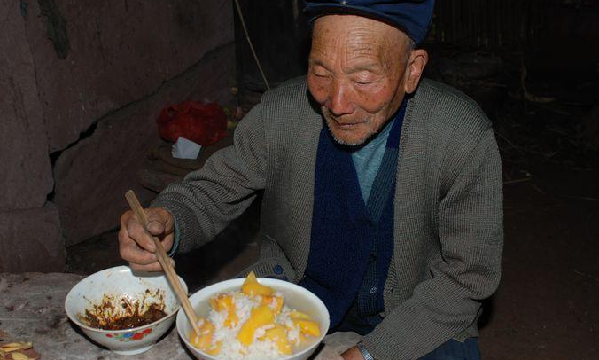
(356, 73)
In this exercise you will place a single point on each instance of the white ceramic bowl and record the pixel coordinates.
(296, 297)
(119, 281)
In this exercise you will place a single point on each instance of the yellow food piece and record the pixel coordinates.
(301, 339)
(278, 335)
(273, 301)
(261, 316)
(226, 302)
(203, 341)
(308, 327)
(215, 349)
(19, 356)
(296, 314)
(23, 345)
(252, 287)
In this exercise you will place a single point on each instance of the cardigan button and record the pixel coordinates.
(278, 269)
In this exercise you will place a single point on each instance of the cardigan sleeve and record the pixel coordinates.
(471, 238)
(208, 199)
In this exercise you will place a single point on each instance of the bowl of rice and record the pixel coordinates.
(254, 319)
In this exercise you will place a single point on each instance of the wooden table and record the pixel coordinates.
(32, 309)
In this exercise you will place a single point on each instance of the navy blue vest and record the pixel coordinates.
(351, 242)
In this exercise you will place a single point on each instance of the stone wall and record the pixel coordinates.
(81, 84)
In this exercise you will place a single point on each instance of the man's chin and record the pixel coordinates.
(348, 138)
(357, 135)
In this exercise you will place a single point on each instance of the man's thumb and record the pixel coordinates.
(155, 226)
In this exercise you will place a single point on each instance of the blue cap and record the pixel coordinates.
(411, 16)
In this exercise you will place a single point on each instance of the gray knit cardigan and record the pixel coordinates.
(448, 232)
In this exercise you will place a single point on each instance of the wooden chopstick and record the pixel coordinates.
(164, 261)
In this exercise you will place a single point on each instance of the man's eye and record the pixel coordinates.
(363, 82)
(321, 77)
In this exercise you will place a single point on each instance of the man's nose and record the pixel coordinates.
(340, 99)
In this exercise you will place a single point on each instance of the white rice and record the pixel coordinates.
(233, 349)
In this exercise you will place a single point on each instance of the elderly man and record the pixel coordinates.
(381, 192)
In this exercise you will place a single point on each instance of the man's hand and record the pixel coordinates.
(338, 346)
(137, 247)
(353, 353)
(329, 353)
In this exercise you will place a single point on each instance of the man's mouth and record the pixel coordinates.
(346, 126)
(344, 123)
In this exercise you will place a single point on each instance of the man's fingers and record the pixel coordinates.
(142, 265)
(132, 253)
(142, 238)
(155, 227)
(137, 246)
(160, 221)
(151, 267)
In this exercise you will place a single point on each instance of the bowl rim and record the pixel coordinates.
(77, 322)
(239, 282)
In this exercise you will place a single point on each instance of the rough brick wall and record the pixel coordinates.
(81, 83)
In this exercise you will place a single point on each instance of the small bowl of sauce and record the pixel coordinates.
(123, 310)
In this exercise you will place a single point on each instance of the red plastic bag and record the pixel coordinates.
(204, 124)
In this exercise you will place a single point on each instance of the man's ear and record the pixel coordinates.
(416, 64)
